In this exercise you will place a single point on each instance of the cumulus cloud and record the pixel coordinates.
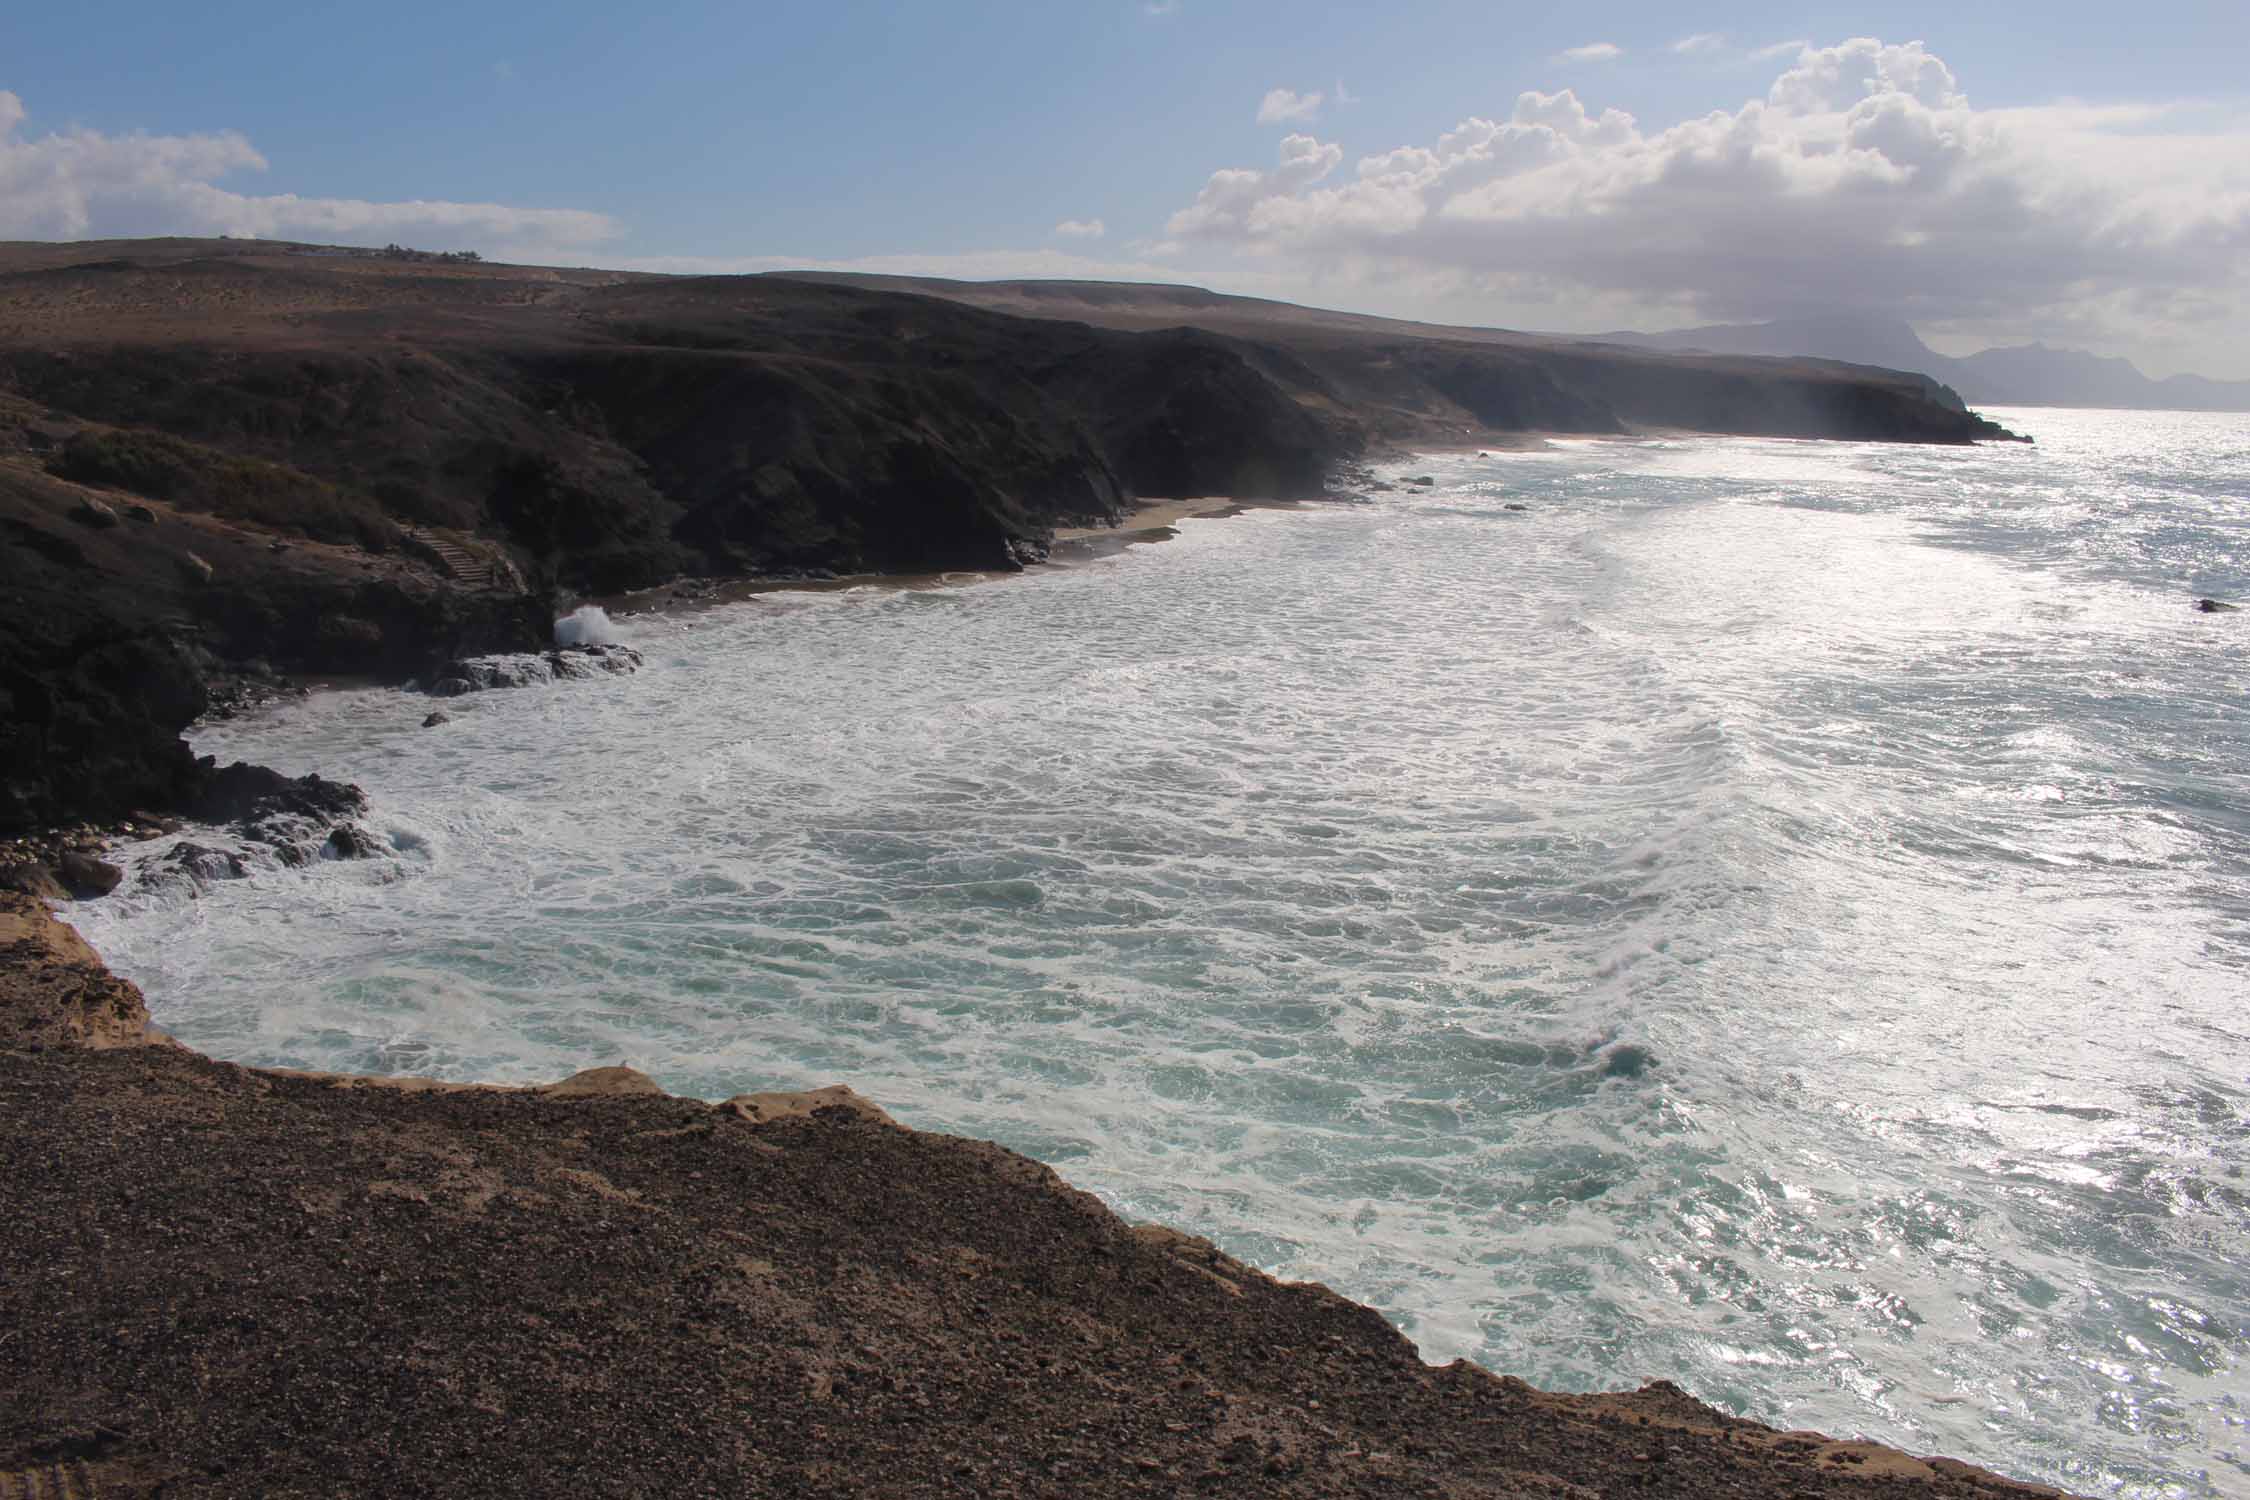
(1082, 229)
(83, 184)
(1592, 52)
(1281, 106)
(1702, 41)
(1864, 178)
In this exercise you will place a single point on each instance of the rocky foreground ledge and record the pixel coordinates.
(221, 1281)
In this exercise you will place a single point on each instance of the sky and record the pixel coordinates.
(1994, 173)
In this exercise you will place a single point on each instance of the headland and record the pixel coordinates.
(226, 1281)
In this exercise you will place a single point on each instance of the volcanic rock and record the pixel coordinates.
(87, 876)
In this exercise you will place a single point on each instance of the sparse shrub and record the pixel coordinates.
(197, 478)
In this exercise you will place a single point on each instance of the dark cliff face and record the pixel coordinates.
(1418, 383)
(316, 444)
(118, 625)
(301, 444)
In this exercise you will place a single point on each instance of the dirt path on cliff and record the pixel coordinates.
(219, 1281)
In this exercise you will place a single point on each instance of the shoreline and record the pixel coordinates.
(598, 1284)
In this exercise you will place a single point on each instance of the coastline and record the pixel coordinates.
(265, 1280)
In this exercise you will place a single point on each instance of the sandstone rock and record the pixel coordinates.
(33, 880)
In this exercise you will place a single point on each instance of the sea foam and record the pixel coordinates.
(1274, 883)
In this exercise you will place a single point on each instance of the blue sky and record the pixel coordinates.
(954, 139)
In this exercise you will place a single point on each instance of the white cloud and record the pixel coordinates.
(1863, 179)
(1591, 52)
(1283, 105)
(1702, 41)
(1161, 8)
(1082, 229)
(1780, 49)
(83, 184)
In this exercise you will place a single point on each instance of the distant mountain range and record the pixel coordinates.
(2026, 375)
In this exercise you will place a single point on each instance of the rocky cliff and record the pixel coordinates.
(227, 457)
(221, 1281)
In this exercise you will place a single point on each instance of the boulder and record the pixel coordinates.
(86, 876)
(350, 841)
(437, 716)
(243, 793)
(91, 512)
(199, 863)
(140, 513)
(2216, 607)
(478, 674)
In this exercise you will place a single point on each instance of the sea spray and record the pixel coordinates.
(587, 625)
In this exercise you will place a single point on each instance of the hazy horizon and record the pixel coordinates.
(1643, 171)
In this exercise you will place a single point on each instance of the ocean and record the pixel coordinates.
(1772, 916)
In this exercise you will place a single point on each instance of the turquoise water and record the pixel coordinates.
(1772, 916)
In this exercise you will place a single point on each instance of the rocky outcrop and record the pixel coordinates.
(261, 1283)
(54, 989)
(116, 644)
(479, 674)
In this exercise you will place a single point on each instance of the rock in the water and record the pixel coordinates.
(1423, 480)
(199, 862)
(437, 716)
(243, 792)
(91, 512)
(87, 876)
(1515, 505)
(1628, 1061)
(2216, 607)
(350, 841)
(477, 674)
(33, 880)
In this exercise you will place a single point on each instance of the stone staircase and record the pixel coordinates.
(472, 569)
